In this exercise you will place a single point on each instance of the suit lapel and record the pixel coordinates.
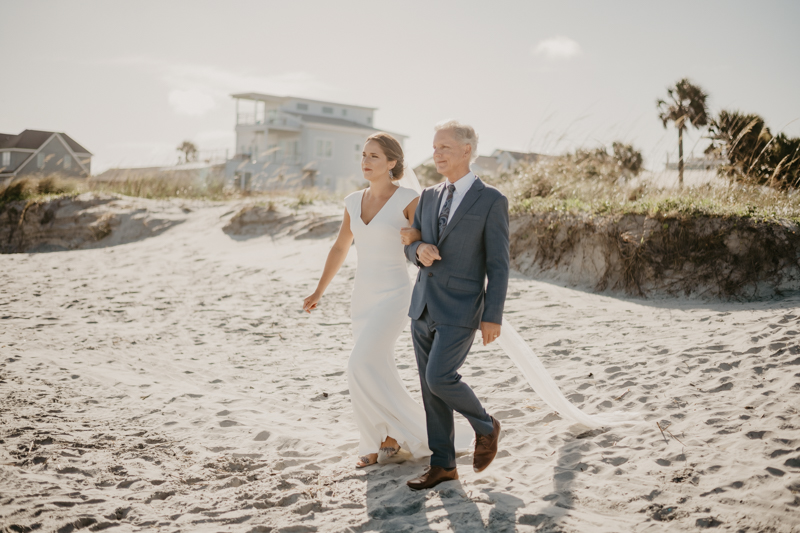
(470, 198)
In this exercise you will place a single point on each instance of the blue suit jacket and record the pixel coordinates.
(474, 249)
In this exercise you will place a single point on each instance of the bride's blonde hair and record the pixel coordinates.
(391, 149)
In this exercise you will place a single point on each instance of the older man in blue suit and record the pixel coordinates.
(462, 227)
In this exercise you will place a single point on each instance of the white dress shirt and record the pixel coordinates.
(462, 186)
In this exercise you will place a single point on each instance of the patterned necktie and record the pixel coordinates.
(446, 209)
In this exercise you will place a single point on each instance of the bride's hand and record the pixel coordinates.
(409, 235)
(311, 302)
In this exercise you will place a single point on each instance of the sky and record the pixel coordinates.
(131, 80)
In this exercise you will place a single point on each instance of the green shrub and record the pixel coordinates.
(585, 182)
(752, 153)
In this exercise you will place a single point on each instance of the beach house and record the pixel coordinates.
(35, 152)
(502, 161)
(289, 142)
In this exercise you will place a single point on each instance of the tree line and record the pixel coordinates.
(750, 150)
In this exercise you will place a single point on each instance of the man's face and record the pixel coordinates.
(448, 153)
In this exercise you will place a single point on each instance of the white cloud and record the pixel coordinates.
(558, 48)
(221, 83)
(195, 90)
(192, 102)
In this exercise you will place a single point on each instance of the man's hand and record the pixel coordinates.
(409, 235)
(489, 331)
(427, 254)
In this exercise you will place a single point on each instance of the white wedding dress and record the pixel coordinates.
(379, 310)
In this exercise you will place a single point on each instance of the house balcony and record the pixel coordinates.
(271, 157)
(272, 119)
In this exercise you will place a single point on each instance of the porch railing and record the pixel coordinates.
(272, 119)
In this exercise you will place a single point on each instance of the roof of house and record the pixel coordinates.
(283, 99)
(34, 139)
(529, 157)
(486, 163)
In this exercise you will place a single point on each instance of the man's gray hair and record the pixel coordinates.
(463, 133)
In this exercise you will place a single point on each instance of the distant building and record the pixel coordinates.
(200, 171)
(484, 165)
(696, 163)
(502, 161)
(35, 152)
(288, 142)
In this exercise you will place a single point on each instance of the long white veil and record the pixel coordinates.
(409, 180)
(531, 366)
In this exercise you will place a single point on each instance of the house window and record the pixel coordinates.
(324, 148)
(6, 159)
(327, 110)
(243, 180)
(40, 160)
(302, 107)
(344, 112)
(369, 121)
(67, 162)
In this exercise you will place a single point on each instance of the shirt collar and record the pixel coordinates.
(464, 183)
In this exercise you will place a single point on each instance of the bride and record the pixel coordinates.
(386, 415)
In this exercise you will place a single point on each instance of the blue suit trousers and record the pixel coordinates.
(441, 350)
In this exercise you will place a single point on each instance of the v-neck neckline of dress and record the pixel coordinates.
(361, 207)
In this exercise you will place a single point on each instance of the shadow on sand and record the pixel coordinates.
(393, 507)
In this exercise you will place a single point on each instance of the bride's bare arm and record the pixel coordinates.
(334, 262)
(410, 234)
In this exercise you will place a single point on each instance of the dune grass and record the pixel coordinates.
(568, 184)
(154, 186)
(578, 183)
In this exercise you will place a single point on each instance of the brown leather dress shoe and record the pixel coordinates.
(486, 448)
(432, 477)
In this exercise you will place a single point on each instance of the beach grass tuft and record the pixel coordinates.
(566, 184)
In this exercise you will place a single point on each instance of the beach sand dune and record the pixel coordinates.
(174, 384)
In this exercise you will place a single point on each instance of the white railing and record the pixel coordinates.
(271, 158)
(272, 118)
(247, 119)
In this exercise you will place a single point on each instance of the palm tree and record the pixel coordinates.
(687, 103)
(753, 153)
(189, 151)
(743, 139)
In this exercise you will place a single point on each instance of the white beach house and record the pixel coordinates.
(288, 142)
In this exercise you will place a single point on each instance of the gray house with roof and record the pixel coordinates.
(502, 161)
(288, 142)
(35, 152)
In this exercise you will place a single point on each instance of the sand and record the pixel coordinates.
(174, 384)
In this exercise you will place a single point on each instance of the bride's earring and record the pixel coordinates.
(391, 174)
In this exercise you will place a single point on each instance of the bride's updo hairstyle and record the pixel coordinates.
(391, 149)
